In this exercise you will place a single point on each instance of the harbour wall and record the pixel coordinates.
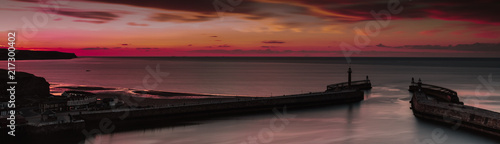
(231, 107)
(460, 115)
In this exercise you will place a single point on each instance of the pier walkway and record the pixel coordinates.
(438, 104)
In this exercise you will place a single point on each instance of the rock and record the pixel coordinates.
(28, 86)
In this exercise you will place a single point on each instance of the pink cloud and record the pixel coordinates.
(430, 32)
(488, 34)
(399, 32)
(90, 21)
(459, 32)
(136, 24)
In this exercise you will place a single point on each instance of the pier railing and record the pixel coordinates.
(346, 84)
(468, 117)
(437, 88)
(204, 103)
(437, 91)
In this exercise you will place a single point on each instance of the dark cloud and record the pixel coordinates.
(163, 17)
(248, 9)
(124, 44)
(96, 48)
(257, 10)
(98, 15)
(146, 48)
(476, 47)
(89, 16)
(90, 21)
(268, 46)
(224, 45)
(273, 42)
(207, 6)
(267, 51)
(28, 0)
(213, 36)
(381, 45)
(239, 51)
(202, 6)
(481, 12)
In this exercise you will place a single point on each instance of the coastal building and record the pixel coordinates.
(69, 94)
(79, 100)
(4, 114)
(109, 102)
(53, 105)
(3, 108)
(49, 115)
(69, 100)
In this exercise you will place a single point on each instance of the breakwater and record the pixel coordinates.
(48, 128)
(442, 105)
(230, 107)
(361, 85)
(153, 117)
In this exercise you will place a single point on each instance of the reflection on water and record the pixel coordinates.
(383, 117)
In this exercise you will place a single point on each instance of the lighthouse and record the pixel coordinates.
(349, 77)
(356, 85)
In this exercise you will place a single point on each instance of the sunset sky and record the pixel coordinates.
(423, 28)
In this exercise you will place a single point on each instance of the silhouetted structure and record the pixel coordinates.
(49, 116)
(359, 85)
(37, 55)
(53, 105)
(440, 104)
(79, 99)
(349, 77)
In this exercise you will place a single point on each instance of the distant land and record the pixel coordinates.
(36, 55)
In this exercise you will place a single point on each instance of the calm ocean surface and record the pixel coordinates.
(383, 117)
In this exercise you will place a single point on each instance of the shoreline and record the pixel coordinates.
(81, 107)
(149, 98)
(134, 118)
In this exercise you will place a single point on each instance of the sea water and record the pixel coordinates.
(383, 117)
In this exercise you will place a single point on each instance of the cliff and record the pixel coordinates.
(37, 55)
(29, 87)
